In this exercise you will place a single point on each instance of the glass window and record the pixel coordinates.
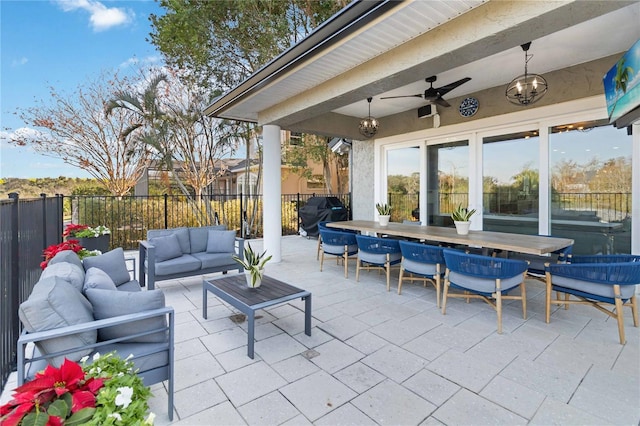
(403, 182)
(590, 165)
(447, 180)
(510, 183)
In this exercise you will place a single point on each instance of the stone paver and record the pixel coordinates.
(376, 357)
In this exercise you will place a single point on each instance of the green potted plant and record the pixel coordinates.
(253, 263)
(462, 219)
(384, 213)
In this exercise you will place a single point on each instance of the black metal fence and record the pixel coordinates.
(27, 227)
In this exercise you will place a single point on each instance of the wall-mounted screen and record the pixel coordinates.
(622, 84)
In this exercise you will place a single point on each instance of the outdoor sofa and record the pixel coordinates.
(182, 252)
(78, 308)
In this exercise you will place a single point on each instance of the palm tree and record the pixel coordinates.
(620, 80)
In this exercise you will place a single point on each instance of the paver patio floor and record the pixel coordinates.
(376, 357)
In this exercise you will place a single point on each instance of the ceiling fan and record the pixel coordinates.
(434, 94)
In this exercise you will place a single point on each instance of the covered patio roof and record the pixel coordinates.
(387, 48)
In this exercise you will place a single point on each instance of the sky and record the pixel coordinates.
(62, 44)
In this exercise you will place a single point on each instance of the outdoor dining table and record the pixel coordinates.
(520, 243)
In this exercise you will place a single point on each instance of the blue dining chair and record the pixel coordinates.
(484, 277)
(606, 282)
(424, 262)
(377, 253)
(340, 244)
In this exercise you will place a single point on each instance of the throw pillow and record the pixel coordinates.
(182, 233)
(111, 262)
(167, 247)
(108, 304)
(97, 278)
(221, 241)
(54, 303)
(69, 256)
(68, 271)
(199, 235)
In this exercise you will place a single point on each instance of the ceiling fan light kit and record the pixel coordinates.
(369, 125)
(526, 88)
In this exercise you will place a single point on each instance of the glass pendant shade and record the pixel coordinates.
(369, 125)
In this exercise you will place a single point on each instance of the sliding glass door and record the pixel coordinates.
(447, 180)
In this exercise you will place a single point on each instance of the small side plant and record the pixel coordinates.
(462, 214)
(253, 262)
(384, 209)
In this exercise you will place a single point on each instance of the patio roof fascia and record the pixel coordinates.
(350, 19)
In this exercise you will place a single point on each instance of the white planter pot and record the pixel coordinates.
(251, 283)
(462, 227)
(383, 220)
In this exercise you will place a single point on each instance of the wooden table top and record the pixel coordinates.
(271, 291)
(530, 244)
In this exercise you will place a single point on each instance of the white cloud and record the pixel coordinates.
(102, 17)
(148, 61)
(18, 62)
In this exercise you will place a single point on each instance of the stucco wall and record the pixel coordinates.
(363, 178)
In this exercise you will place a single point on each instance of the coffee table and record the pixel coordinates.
(233, 290)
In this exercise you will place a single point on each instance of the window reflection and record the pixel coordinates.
(590, 166)
(447, 180)
(403, 182)
(510, 182)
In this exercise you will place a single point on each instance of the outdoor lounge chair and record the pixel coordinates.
(340, 244)
(377, 253)
(604, 280)
(424, 262)
(484, 277)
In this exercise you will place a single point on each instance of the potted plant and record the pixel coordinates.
(90, 238)
(384, 212)
(253, 264)
(462, 219)
(105, 391)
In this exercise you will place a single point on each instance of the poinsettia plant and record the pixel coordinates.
(84, 231)
(105, 392)
(71, 244)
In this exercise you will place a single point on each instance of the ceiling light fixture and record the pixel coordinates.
(526, 88)
(369, 125)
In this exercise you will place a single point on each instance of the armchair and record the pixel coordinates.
(484, 277)
(424, 261)
(340, 244)
(597, 283)
(377, 253)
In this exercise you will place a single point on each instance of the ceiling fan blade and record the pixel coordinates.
(403, 96)
(449, 87)
(442, 102)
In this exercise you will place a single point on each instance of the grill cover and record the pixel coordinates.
(321, 209)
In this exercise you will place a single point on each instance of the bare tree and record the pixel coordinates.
(76, 129)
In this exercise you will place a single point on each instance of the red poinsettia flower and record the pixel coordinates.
(54, 249)
(71, 229)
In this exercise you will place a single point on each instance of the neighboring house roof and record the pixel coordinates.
(387, 48)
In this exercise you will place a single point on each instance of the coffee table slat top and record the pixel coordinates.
(270, 290)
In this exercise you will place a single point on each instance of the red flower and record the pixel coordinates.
(48, 386)
(54, 249)
(71, 229)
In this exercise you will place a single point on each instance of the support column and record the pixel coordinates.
(272, 191)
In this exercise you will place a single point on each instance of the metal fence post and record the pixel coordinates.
(298, 210)
(241, 221)
(166, 211)
(14, 290)
(43, 197)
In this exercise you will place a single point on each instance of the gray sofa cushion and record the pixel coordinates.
(111, 262)
(182, 234)
(132, 285)
(199, 236)
(212, 260)
(66, 256)
(167, 247)
(184, 263)
(55, 303)
(97, 278)
(221, 241)
(107, 304)
(68, 271)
